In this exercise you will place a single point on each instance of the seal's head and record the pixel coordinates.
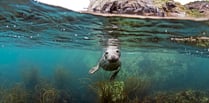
(112, 54)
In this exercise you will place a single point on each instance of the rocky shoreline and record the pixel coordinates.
(159, 8)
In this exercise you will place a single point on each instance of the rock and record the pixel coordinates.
(160, 8)
(170, 5)
(199, 41)
(201, 6)
(173, 9)
(137, 7)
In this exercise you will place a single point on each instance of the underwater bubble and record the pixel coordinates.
(203, 33)
(86, 38)
(63, 29)
(75, 34)
(114, 26)
(31, 37)
(110, 31)
(166, 30)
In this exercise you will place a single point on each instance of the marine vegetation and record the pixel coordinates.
(46, 92)
(110, 91)
(121, 91)
(16, 94)
(184, 96)
(36, 89)
(30, 77)
(49, 95)
(62, 82)
(137, 88)
(61, 78)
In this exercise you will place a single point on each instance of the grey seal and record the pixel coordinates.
(110, 60)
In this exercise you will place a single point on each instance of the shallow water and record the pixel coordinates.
(45, 39)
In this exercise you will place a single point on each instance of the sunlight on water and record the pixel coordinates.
(46, 53)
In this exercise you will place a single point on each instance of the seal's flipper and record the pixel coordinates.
(94, 69)
(114, 74)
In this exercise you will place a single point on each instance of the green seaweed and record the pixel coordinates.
(130, 90)
(110, 91)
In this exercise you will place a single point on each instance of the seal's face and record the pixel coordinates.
(112, 54)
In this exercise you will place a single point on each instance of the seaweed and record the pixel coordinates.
(130, 90)
(61, 78)
(49, 95)
(136, 88)
(110, 91)
(30, 78)
(17, 94)
(183, 96)
(34, 89)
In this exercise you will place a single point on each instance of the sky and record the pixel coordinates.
(80, 5)
(76, 5)
(185, 1)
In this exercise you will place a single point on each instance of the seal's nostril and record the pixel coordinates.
(113, 57)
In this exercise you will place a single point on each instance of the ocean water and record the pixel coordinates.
(46, 53)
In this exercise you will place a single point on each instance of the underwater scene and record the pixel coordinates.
(46, 53)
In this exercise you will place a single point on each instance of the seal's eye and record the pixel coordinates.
(106, 53)
(117, 51)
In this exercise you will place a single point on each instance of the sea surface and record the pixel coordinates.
(46, 53)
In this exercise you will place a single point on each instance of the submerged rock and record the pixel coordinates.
(199, 41)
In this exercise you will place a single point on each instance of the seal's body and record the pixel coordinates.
(110, 61)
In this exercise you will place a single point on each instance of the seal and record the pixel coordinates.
(110, 60)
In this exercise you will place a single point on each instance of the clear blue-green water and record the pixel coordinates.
(46, 53)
